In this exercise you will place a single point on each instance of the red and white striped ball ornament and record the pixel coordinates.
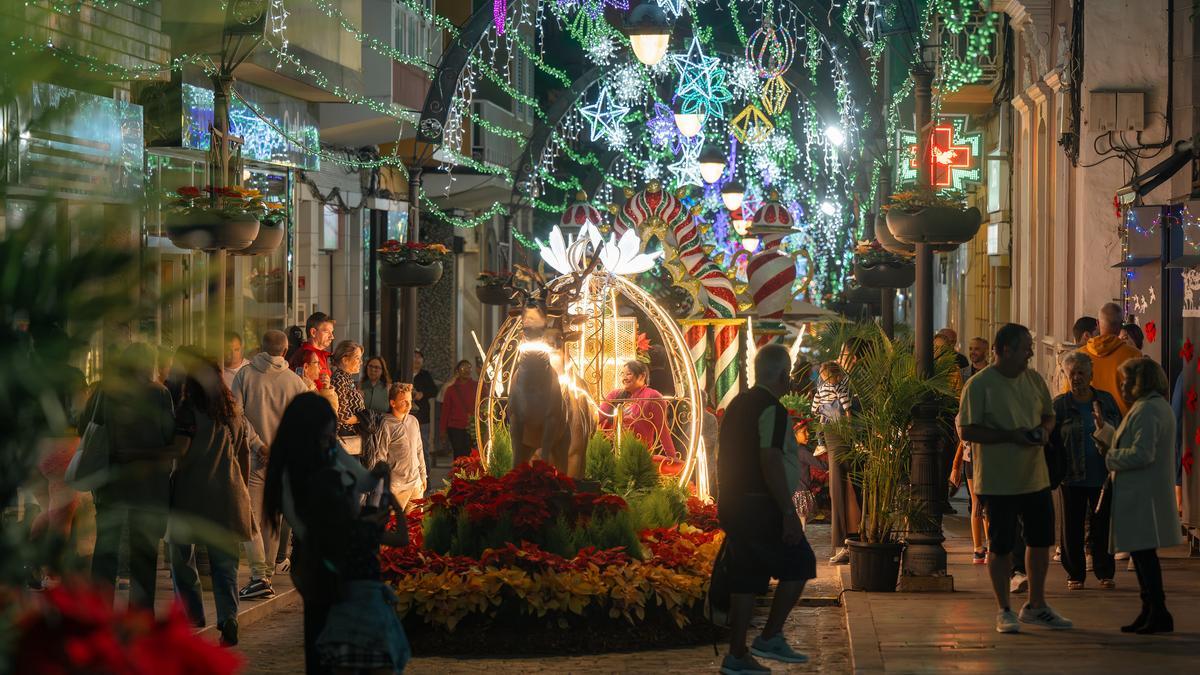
(771, 273)
(580, 213)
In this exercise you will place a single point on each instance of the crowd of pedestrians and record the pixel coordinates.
(1093, 469)
(213, 457)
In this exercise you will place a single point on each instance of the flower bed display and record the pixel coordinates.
(73, 629)
(495, 557)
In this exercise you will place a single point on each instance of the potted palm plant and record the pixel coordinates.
(886, 383)
(931, 218)
(411, 265)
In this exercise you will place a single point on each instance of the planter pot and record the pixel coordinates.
(409, 274)
(874, 567)
(885, 275)
(862, 296)
(494, 295)
(209, 231)
(934, 225)
(269, 292)
(270, 236)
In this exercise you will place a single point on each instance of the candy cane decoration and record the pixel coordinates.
(653, 212)
(726, 345)
(696, 336)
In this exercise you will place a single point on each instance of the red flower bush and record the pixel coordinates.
(73, 629)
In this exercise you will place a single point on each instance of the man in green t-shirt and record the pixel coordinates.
(1007, 415)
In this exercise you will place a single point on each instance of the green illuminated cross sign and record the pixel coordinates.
(959, 145)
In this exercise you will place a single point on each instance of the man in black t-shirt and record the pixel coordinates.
(764, 538)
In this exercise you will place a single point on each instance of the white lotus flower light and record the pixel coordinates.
(624, 256)
(554, 252)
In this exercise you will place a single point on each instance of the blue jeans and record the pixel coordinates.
(223, 567)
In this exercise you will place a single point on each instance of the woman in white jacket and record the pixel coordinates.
(1141, 458)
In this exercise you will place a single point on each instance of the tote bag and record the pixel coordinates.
(89, 467)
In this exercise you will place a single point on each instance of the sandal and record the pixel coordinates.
(1074, 585)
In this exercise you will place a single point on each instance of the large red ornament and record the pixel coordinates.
(1151, 331)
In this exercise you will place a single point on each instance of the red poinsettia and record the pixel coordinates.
(73, 629)
(1187, 351)
(1151, 331)
(1191, 400)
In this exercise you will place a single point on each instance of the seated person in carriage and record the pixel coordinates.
(643, 412)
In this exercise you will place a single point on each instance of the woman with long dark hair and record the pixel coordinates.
(349, 616)
(210, 500)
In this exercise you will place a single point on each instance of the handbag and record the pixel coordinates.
(89, 466)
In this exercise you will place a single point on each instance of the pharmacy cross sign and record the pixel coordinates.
(945, 158)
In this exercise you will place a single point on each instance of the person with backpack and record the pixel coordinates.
(1079, 466)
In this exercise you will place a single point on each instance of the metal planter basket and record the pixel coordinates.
(933, 224)
(409, 274)
(211, 230)
(885, 274)
(270, 236)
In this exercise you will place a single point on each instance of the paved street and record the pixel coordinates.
(920, 633)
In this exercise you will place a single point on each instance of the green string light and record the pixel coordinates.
(371, 41)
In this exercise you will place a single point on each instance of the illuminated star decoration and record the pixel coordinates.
(604, 116)
(687, 169)
(701, 82)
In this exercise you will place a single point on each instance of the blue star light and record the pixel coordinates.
(605, 117)
(672, 8)
(701, 82)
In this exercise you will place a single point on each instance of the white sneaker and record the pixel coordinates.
(1006, 622)
(1045, 616)
(1019, 583)
(840, 557)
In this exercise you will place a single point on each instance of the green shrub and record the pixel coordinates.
(635, 468)
(558, 539)
(438, 530)
(608, 531)
(663, 506)
(500, 461)
(601, 464)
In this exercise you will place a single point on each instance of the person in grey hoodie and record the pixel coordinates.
(264, 388)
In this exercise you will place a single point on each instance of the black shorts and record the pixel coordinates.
(756, 553)
(1034, 511)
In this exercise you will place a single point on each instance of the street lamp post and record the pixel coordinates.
(408, 296)
(924, 564)
(887, 294)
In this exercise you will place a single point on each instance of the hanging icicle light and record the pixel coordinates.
(649, 33)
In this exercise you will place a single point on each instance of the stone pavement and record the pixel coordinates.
(817, 627)
(938, 632)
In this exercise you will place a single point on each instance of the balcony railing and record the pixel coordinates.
(493, 148)
(955, 45)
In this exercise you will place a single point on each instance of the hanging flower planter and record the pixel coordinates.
(214, 218)
(876, 267)
(882, 274)
(409, 274)
(210, 230)
(931, 218)
(494, 288)
(411, 265)
(270, 236)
